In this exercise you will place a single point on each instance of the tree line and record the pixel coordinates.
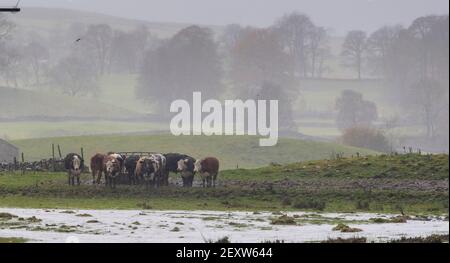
(243, 62)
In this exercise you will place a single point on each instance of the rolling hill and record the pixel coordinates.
(19, 104)
(44, 20)
(238, 151)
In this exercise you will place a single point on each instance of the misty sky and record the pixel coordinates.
(340, 15)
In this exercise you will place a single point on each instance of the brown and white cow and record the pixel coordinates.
(74, 165)
(97, 167)
(208, 168)
(112, 168)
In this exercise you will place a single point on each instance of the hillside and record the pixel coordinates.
(18, 104)
(44, 20)
(242, 151)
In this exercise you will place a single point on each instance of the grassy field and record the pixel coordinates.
(45, 129)
(412, 184)
(19, 103)
(233, 151)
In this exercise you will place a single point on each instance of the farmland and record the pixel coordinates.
(411, 184)
(234, 151)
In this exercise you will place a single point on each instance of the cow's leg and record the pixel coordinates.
(191, 181)
(204, 182)
(93, 176)
(78, 179)
(167, 178)
(68, 176)
(99, 176)
(214, 180)
(130, 179)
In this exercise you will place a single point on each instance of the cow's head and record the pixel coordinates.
(112, 166)
(198, 166)
(148, 168)
(76, 164)
(182, 165)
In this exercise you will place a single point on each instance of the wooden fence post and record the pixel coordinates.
(59, 152)
(53, 157)
(23, 163)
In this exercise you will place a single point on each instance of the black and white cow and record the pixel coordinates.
(186, 168)
(74, 165)
(151, 169)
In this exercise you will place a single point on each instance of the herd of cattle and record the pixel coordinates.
(150, 169)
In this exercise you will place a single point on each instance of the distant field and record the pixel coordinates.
(45, 129)
(19, 103)
(119, 90)
(242, 151)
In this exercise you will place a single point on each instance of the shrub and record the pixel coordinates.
(346, 229)
(365, 137)
(283, 220)
(223, 240)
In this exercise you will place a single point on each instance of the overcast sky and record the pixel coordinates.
(340, 15)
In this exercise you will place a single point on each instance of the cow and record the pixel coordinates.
(112, 168)
(173, 165)
(121, 158)
(151, 169)
(130, 167)
(186, 168)
(97, 167)
(208, 168)
(160, 169)
(74, 165)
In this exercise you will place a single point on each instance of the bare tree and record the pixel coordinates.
(5, 26)
(98, 41)
(318, 50)
(11, 63)
(74, 76)
(37, 56)
(185, 63)
(257, 58)
(294, 33)
(428, 97)
(353, 50)
(230, 36)
(380, 47)
(128, 49)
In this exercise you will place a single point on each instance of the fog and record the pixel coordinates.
(342, 15)
(371, 74)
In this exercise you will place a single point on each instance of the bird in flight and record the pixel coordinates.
(78, 40)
